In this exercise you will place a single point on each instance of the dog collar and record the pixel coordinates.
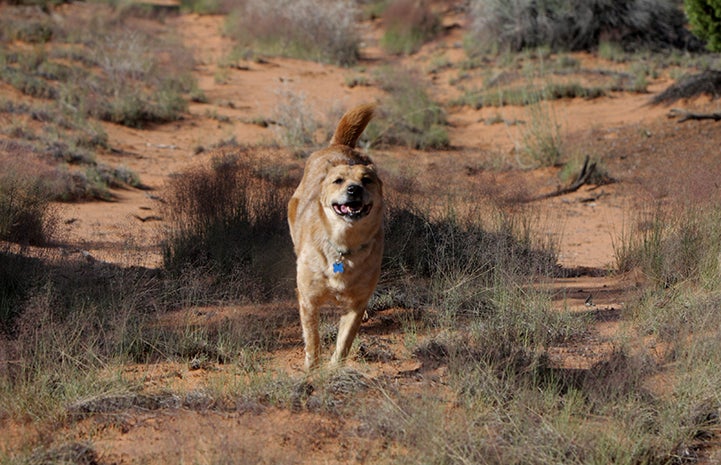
(338, 266)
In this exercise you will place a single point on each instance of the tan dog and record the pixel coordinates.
(336, 222)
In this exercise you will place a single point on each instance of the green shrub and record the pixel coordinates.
(704, 16)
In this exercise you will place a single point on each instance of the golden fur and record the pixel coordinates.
(336, 218)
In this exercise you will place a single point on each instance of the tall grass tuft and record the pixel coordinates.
(317, 30)
(410, 117)
(675, 248)
(678, 249)
(541, 139)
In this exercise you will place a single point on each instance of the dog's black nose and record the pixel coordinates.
(354, 190)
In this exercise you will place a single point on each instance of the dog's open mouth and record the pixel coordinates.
(352, 210)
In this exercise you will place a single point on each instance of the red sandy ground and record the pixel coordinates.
(652, 158)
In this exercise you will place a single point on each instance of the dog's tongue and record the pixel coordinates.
(351, 208)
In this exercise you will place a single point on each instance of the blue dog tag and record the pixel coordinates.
(338, 267)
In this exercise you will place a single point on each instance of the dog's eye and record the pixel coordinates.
(338, 181)
(366, 180)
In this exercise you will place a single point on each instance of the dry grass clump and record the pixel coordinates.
(541, 139)
(66, 323)
(26, 215)
(408, 25)
(230, 218)
(318, 30)
(143, 79)
(458, 265)
(296, 122)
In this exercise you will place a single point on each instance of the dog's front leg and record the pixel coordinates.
(347, 330)
(311, 334)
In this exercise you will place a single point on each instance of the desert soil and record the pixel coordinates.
(651, 157)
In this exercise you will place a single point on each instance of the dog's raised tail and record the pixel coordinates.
(352, 124)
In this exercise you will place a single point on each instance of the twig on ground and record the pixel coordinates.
(687, 115)
(583, 176)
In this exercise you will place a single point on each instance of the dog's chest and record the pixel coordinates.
(351, 275)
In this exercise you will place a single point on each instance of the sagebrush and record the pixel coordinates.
(317, 30)
(569, 25)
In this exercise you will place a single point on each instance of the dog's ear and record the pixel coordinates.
(352, 124)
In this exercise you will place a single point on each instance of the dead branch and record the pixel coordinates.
(687, 115)
(583, 176)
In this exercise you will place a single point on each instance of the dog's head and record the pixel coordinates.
(352, 192)
(345, 184)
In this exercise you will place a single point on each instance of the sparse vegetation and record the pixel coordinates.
(128, 90)
(521, 96)
(85, 70)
